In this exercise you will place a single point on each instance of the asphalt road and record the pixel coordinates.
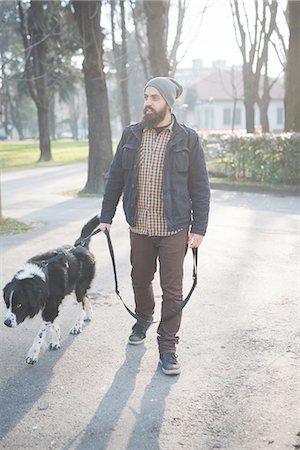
(239, 340)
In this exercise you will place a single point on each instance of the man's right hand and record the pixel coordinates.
(104, 226)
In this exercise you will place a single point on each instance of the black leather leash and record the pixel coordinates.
(136, 316)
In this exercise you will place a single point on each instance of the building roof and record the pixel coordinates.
(227, 85)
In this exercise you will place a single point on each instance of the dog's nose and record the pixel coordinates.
(7, 322)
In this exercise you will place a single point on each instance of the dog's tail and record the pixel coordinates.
(88, 228)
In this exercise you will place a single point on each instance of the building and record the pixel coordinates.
(214, 99)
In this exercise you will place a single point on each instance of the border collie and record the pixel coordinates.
(42, 283)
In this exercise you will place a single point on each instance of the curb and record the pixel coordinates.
(280, 192)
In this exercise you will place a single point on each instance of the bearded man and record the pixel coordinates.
(159, 166)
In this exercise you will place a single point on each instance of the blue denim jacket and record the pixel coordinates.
(186, 192)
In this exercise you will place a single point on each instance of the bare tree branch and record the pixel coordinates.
(199, 20)
(177, 42)
(141, 43)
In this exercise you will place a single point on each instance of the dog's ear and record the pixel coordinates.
(7, 292)
(36, 292)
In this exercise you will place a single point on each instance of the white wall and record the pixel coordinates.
(218, 114)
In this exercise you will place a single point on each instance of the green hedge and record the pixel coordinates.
(259, 158)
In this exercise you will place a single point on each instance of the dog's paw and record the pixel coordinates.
(77, 329)
(54, 346)
(54, 338)
(32, 355)
(31, 360)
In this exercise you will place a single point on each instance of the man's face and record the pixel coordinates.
(155, 108)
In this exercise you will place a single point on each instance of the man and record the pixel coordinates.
(160, 168)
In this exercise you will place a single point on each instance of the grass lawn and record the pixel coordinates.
(25, 154)
(12, 226)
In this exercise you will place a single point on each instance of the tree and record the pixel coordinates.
(253, 44)
(292, 80)
(88, 15)
(121, 60)
(139, 20)
(157, 42)
(263, 100)
(13, 88)
(36, 68)
(17, 72)
(156, 14)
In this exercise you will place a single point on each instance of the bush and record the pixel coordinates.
(258, 158)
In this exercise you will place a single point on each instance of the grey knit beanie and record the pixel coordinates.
(169, 88)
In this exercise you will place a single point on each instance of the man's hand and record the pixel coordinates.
(194, 240)
(104, 226)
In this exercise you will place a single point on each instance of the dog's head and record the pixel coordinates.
(25, 295)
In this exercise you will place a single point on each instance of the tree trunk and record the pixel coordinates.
(38, 32)
(155, 11)
(250, 116)
(43, 122)
(73, 111)
(4, 98)
(264, 118)
(139, 20)
(16, 116)
(121, 61)
(292, 80)
(249, 98)
(264, 102)
(52, 117)
(124, 71)
(88, 14)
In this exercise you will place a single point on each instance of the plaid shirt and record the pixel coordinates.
(150, 218)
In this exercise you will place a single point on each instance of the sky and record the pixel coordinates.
(216, 39)
(211, 36)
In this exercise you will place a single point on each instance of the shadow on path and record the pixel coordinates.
(151, 417)
(19, 393)
(98, 432)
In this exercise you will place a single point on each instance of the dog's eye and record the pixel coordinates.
(19, 306)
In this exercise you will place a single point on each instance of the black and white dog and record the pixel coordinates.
(42, 283)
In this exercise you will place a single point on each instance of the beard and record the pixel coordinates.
(152, 118)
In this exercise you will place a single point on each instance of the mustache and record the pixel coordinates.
(148, 108)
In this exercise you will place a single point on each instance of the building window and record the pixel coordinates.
(238, 116)
(279, 116)
(226, 116)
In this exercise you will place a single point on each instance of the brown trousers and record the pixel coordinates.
(170, 251)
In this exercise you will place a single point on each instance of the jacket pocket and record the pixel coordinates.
(181, 160)
(128, 157)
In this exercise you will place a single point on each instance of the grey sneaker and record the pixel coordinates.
(169, 363)
(138, 334)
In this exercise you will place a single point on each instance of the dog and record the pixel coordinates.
(41, 285)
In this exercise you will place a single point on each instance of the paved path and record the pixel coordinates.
(238, 388)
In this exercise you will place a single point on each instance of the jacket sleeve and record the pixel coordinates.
(199, 188)
(114, 185)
